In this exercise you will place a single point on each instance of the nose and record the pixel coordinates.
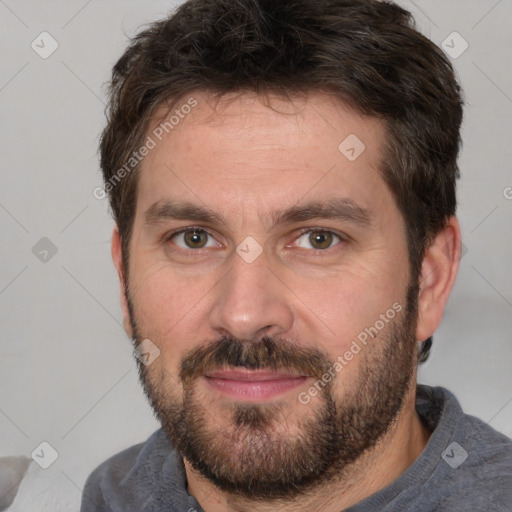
(251, 302)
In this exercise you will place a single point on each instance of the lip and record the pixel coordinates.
(253, 385)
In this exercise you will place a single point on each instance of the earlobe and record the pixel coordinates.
(438, 273)
(117, 257)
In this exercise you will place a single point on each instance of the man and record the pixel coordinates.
(282, 177)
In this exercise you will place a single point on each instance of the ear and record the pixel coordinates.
(117, 257)
(438, 273)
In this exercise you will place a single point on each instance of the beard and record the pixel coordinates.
(280, 450)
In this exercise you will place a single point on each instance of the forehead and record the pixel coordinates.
(244, 153)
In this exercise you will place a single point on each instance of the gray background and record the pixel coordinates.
(67, 376)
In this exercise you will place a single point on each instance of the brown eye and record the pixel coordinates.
(193, 239)
(318, 239)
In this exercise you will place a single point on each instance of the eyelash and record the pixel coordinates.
(342, 238)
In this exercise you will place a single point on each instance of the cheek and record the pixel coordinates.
(165, 296)
(351, 303)
(165, 305)
(354, 299)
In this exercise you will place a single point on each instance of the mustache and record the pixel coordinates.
(265, 353)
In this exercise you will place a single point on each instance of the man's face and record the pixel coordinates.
(286, 337)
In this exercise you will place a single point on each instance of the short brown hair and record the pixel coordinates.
(366, 52)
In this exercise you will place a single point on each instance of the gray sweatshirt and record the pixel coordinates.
(465, 467)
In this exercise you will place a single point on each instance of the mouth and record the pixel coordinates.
(253, 385)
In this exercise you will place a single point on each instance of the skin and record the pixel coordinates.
(243, 160)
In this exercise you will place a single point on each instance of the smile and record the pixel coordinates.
(253, 385)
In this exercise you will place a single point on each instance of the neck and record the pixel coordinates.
(373, 471)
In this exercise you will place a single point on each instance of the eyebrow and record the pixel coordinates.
(341, 209)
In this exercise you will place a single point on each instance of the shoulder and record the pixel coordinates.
(125, 476)
(476, 461)
(489, 452)
(489, 463)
